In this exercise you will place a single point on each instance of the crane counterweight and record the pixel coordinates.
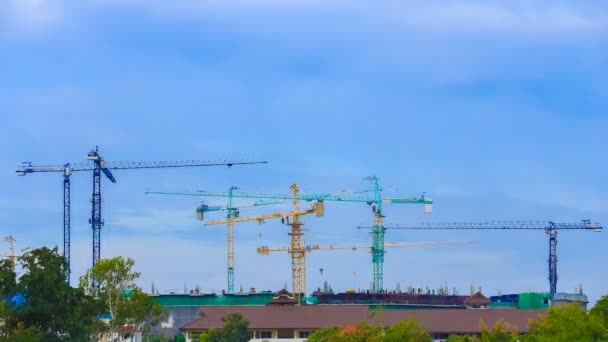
(99, 165)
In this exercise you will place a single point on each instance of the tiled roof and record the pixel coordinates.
(283, 297)
(318, 316)
(477, 299)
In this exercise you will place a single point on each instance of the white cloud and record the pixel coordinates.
(481, 18)
(446, 17)
(466, 18)
(30, 16)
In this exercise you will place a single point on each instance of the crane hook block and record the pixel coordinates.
(319, 209)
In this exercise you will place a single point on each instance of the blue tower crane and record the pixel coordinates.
(550, 228)
(98, 165)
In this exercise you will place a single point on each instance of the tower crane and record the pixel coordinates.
(378, 229)
(266, 250)
(550, 228)
(232, 212)
(99, 165)
(298, 258)
(373, 197)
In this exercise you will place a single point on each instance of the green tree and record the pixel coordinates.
(235, 329)
(566, 323)
(462, 338)
(26, 335)
(323, 335)
(142, 313)
(8, 288)
(124, 301)
(361, 332)
(48, 308)
(212, 335)
(600, 311)
(501, 332)
(8, 278)
(407, 330)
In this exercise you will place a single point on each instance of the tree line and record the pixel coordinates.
(39, 305)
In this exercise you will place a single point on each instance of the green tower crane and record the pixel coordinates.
(373, 197)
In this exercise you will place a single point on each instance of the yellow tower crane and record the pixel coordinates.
(372, 197)
(232, 212)
(265, 250)
(11, 255)
(298, 254)
(300, 251)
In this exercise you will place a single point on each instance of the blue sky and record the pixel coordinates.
(498, 111)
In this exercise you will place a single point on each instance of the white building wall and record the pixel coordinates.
(274, 337)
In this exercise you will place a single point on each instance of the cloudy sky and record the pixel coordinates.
(497, 110)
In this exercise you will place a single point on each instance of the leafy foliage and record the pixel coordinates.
(126, 303)
(234, 329)
(561, 324)
(323, 334)
(40, 305)
(8, 278)
(406, 330)
(501, 332)
(600, 311)
(566, 323)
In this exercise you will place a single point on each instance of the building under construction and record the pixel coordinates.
(185, 309)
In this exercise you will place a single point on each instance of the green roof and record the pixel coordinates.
(212, 299)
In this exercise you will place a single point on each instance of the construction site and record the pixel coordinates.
(172, 169)
(299, 300)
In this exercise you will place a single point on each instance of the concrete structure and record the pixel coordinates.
(566, 298)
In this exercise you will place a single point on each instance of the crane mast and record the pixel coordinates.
(373, 198)
(298, 256)
(550, 228)
(99, 165)
(230, 213)
(378, 230)
(67, 172)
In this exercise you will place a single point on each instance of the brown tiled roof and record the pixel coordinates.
(279, 316)
(283, 297)
(318, 316)
(477, 299)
